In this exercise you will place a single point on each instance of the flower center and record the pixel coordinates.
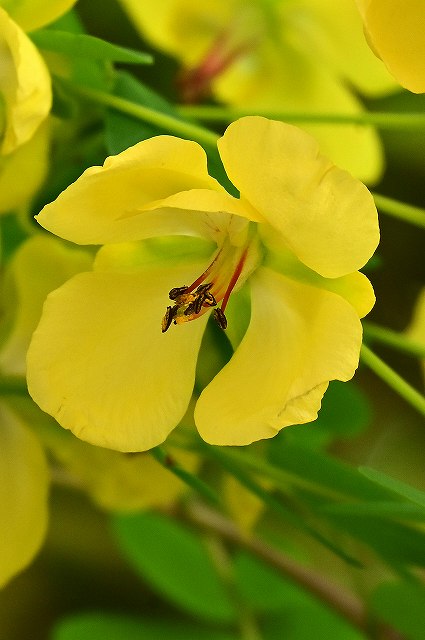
(230, 266)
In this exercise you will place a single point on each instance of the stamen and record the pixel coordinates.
(176, 292)
(195, 83)
(190, 302)
(170, 314)
(220, 318)
(233, 280)
(202, 277)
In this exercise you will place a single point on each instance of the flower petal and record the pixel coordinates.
(33, 14)
(100, 365)
(395, 31)
(23, 495)
(40, 265)
(326, 217)
(283, 78)
(109, 199)
(354, 287)
(185, 28)
(24, 85)
(299, 339)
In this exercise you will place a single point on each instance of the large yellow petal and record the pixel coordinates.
(23, 495)
(40, 265)
(33, 14)
(289, 77)
(24, 85)
(100, 365)
(354, 287)
(325, 216)
(395, 31)
(299, 339)
(105, 203)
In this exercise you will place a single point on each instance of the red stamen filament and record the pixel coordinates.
(235, 277)
(203, 276)
(195, 82)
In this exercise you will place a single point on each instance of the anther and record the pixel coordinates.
(220, 318)
(170, 314)
(177, 291)
(209, 300)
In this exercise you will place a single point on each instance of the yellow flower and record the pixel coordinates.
(395, 31)
(297, 56)
(287, 249)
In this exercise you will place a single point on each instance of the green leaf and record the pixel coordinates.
(87, 47)
(123, 131)
(309, 621)
(263, 588)
(230, 462)
(323, 470)
(395, 542)
(289, 611)
(394, 509)
(175, 562)
(99, 626)
(402, 605)
(400, 488)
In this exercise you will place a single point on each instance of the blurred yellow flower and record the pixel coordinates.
(24, 481)
(39, 265)
(25, 99)
(33, 14)
(23, 171)
(24, 85)
(98, 361)
(293, 55)
(395, 31)
(113, 480)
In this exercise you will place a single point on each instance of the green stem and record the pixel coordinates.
(168, 462)
(393, 379)
(383, 120)
(145, 114)
(13, 385)
(401, 210)
(393, 339)
(347, 604)
(248, 627)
